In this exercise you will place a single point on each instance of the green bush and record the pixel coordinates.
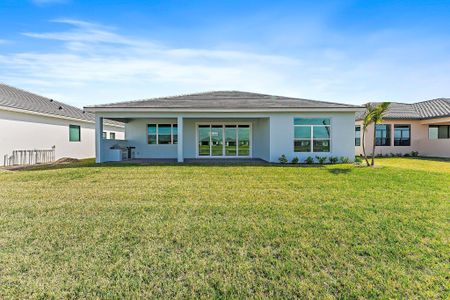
(344, 159)
(358, 159)
(282, 159)
(309, 160)
(295, 160)
(414, 153)
(321, 159)
(333, 159)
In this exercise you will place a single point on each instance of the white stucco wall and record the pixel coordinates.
(272, 133)
(136, 133)
(282, 135)
(22, 131)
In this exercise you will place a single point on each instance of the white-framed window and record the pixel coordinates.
(74, 133)
(312, 135)
(112, 135)
(162, 134)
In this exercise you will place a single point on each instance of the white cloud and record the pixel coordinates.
(94, 63)
(95, 55)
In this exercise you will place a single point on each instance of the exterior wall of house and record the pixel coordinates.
(22, 131)
(282, 135)
(136, 132)
(272, 133)
(419, 140)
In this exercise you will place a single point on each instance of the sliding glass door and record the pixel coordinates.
(216, 140)
(227, 140)
(204, 139)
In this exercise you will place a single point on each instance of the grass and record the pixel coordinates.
(167, 231)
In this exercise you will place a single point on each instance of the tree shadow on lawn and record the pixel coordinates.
(337, 171)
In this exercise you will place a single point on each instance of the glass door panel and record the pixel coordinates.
(204, 136)
(243, 140)
(230, 140)
(217, 140)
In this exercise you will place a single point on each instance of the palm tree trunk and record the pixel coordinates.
(363, 145)
(374, 143)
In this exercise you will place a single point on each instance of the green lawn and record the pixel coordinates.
(124, 231)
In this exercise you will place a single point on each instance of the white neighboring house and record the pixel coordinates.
(29, 121)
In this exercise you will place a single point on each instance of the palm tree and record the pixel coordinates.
(374, 114)
(366, 122)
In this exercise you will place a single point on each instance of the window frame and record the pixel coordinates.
(112, 135)
(311, 139)
(79, 133)
(358, 139)
(172, 126)
(409, 138)
(104, 135)
(388, 135)
(437, 127)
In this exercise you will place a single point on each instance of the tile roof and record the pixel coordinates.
(12, 97)
(435, 108)
(225, 100)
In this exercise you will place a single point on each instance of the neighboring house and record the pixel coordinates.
(29, 121)
(229, 124)
(423, 127)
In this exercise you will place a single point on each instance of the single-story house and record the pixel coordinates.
(227, 124)
(422, 127)
(32, 122)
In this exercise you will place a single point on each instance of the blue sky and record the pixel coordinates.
(87, 52)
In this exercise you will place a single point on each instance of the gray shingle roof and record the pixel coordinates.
(12, 97)
(435, 108)
(225, 100)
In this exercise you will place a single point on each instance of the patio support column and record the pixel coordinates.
(98, 139)
(180, 156)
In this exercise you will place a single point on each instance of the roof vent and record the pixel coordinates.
(51, 100)
(60, 108)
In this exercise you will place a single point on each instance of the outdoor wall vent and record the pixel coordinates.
(60, 108)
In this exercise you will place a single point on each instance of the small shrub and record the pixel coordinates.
(321, 159)
(414, 153)
(399, 154)
(282, 159)
(344, 159)
(358, 159)
(309, 160)
(391, 154)
(406, 155)
(333, 159)
(295, 160)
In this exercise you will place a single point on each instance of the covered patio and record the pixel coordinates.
(185, 137)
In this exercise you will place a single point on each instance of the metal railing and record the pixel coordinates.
(29, 157)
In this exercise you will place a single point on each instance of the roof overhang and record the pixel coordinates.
(29, 112)
(94, 109)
